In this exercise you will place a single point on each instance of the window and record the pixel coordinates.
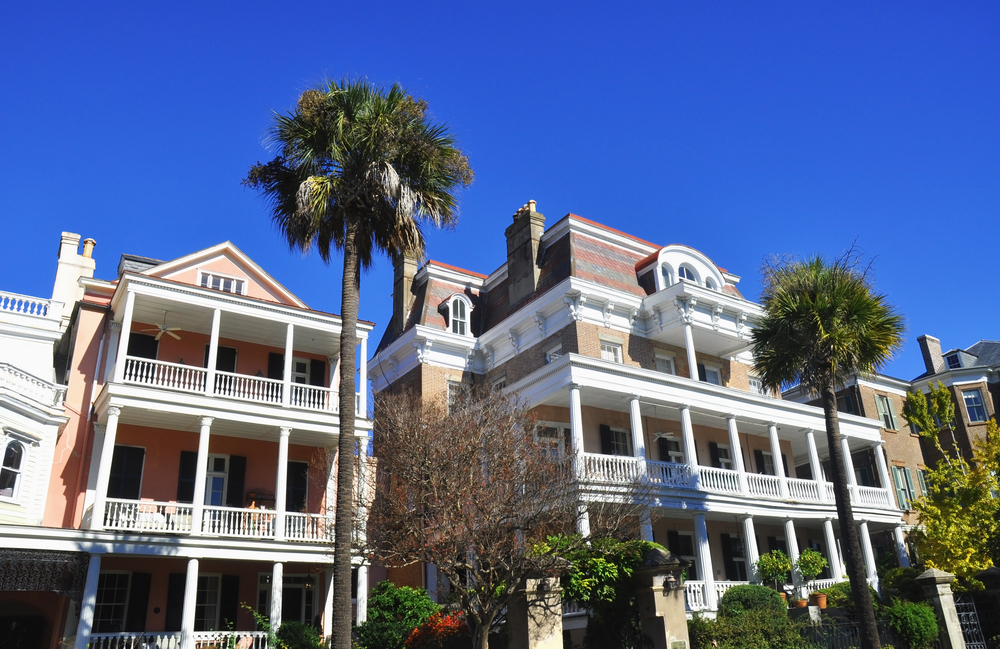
(112, 599)
(886, 411)
(553, 438)
(905, 494)
(974, 405)
(458, 316)
(710, 283)
(667, 275)
(215, 480)
(766, 463)
(297, 597)
(296, 486)
(670, 450)
(863, 476)
(709, 374)
(665, 364)
(954, 361)
(757, 386)
(222, 283)
(611, 352)
(553, 354)
(125, 481)
(922, 480)
(142, 346)
(300, 370)
(615, 441)
(686, 272)
(725, 457)
(500, 383)
(457, 393)
(206, 607)
(845, 404)
(10, 474)
(683, 546)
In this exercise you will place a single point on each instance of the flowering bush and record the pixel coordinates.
(440, 631)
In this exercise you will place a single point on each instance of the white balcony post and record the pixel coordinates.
(792, 543)
(736, 451)
(87, 604)
(750, 548)
(362, 408)
(361, 604)
(883, 470)
(190, 602)
(852, 481)
(111, 362)
(638, 439)
(814, 464)
(277, 579)
(705, 560)
(690, 451)
(836, 570)
(779, 466)
(213, 352)
(282, 483)
(646, 525)
(123, 337)
(689, 346)
(901, 552)
(104, 469)
(576, 426)
(867, 551)
(286, 389)
(328, 605)
(200, 476)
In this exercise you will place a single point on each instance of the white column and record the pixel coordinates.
(104, 468)
(328, 605)
(213, 352)
(188, 609)
(792, 543)
(646, 525)
(705, 559)
(866, 550)
(852, 481)
(836, 570)
(200, 475)
(110, 364)
(690, 452)
(689, 345)
(432, 580)
(277, 578)
(736, 451)
(576, 426)
(286, 390)
(123, 337)
(638, 439)
(901, 552)
(361, 604)
(750, 548)
(883, 470)
(582, 520)
(87, 604)
(282, 483)
(363, 379)
(814, 464)
(779, 466)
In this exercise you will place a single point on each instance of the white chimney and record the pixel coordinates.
(71, 267)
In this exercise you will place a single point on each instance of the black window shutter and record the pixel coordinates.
(758, 458)
(784, 465)
(229, 600)
(175, 601)
(275, 366)
(142, 346)
(317, 372)
(664, 447)
(295, 486)
(138, 601)
(237, 476)
(713, 451)
(727, 558)
(803, 472)
(673, 541)
(185, 477)
(126, 473)
(225, 359)
(702, 376)
(607, 448)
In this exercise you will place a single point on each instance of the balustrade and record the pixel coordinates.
(315, 398)
(803, 489)
(162, 374)
(820, 584)
(146, 516)
(722, 586)
(871, 496)
(248, 388)
(30, 386)
(765, 486)
(694, 596)
(24, 304)
(724, 480)
(309, 527)
(611, 468)
(239, 523)
(669, 474)
(172, 640)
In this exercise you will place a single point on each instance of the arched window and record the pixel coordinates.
(458, 315)
(668, 276)
(686, 272)
(10, 473)
(710, 283)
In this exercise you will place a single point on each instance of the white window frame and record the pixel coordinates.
(666, 277)
(17, 471)
(957, 358)
(553, 354)
(613, 350)
(671, 454)
(688, 269)
(712, 368)
(977, 395)
(124, 604)
(710, 284)
(621, 439)
(206, 279)
(296, 375)
(214, 626)
(668, 361)
(759, 387)
(466, 321)
(209, 473)
(294, 580)
(769, 458)
(454, 390)
(499, 383)
(742, 557)
(690, 558)
(728, 460)
(559, 441)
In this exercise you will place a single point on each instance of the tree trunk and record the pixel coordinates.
(848, 531)
(344, 522)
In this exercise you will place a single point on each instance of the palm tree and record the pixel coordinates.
(824, 323)
(358, 169)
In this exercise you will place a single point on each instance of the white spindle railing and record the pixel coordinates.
(820, 584)
(722, 586)
(30, 386)
(803, 489)
(309, 527)
(724, 480)
(146, 516)
(766, 486)
(238, 639)
(694, 595)
(669, 474)
(239, 523)
(248, 388)
(611, 468)
(871, 496)
(161, 374)
(828, 489)
(25, 305)
(570, 608)
(146, 640)
(315, 398)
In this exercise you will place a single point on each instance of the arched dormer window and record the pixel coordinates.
(666, 275)
(459, 309)
(10, 473)
(710, 283)
(686, 272)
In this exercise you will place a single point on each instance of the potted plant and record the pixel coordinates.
(809, 564)
(818, 598)
(774, 567)
(799, 603)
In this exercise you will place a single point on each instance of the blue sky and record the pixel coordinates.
(741, 129)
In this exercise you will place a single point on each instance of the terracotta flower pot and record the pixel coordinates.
(783, 596)
(818, 599)
(799, 603)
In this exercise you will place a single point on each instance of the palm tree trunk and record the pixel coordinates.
(344, 525)
(848, 531)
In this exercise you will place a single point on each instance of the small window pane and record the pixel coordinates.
(974, 405)
(665, 365)
(954, 362)
(611, 352)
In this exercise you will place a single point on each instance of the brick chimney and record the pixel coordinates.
(404, 267)
(523, 238)
(930, 347)
(71, 267)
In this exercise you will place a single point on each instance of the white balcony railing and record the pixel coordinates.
(161, 374)
(611, 468)
(25, 384)
(765, 486)
(146, 516)
(570, 608)
(722, 586)
(820, 584)
(871, 496)
(309, 527)
(315, 398)
(238, 523)
(803, 490)
(172, 640)
(669, 474)
(25, 305)
(248, 388)
(694, 595)
(724, 480)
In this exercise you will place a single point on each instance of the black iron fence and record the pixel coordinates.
(844, 635)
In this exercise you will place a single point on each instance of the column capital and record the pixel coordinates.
(114, 411)
(747, 517)
(731, 416)
(684, 406)
(772, 424)
(100, 428)
(573, 386)
(207, 421)
(116, 326)
(333, 358)
(285, 431)
(633, 397)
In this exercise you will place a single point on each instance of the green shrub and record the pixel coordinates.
(839, 596)
(752, 629)
(393, 613)
(773, 567)
(296, 635)
(901, 583)
(750, 597)
(914, 623)
(810, 563)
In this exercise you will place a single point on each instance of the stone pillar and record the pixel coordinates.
(883, 471)
(576, 432)
(200, 475)
(188, 608)
(534, 615)
(779, 466)
(281, 484)
(660, 600)
(646, 525)
(104, 468)
(690, 451)
(704, 551)
(736, 450)
(937, 588)
(286, 388)
(689, 346)
(750, 547)
(852, 481)
(213, 353)
(277, 580)
(902, 554)
(87, 604)
(836, 570)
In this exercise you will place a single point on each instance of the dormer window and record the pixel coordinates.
(222, 283)
(954, 361)
(458, 315)
(686, 272)
(668, 275)
(711, 284)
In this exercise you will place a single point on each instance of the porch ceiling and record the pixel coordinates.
(173, 421)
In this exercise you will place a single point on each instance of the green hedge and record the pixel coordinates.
(914, 623)
(750, 597)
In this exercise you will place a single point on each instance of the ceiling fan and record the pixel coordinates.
(164, 329)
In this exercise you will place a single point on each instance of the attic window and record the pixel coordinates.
(686, 272)
(954, 361)
(458, 309)
(223, 283)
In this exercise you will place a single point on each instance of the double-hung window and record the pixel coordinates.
(725, 457)
(709, 374)
(458, 314)
(10, 474)
(670, 450)
(974, 405)
(611, 352)
(665, 364)
(206, 608)
(845, 404)
(886, 411)
(757, 386)
(905, 493)
(111, 601)
(553, 354)
(615, 441)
